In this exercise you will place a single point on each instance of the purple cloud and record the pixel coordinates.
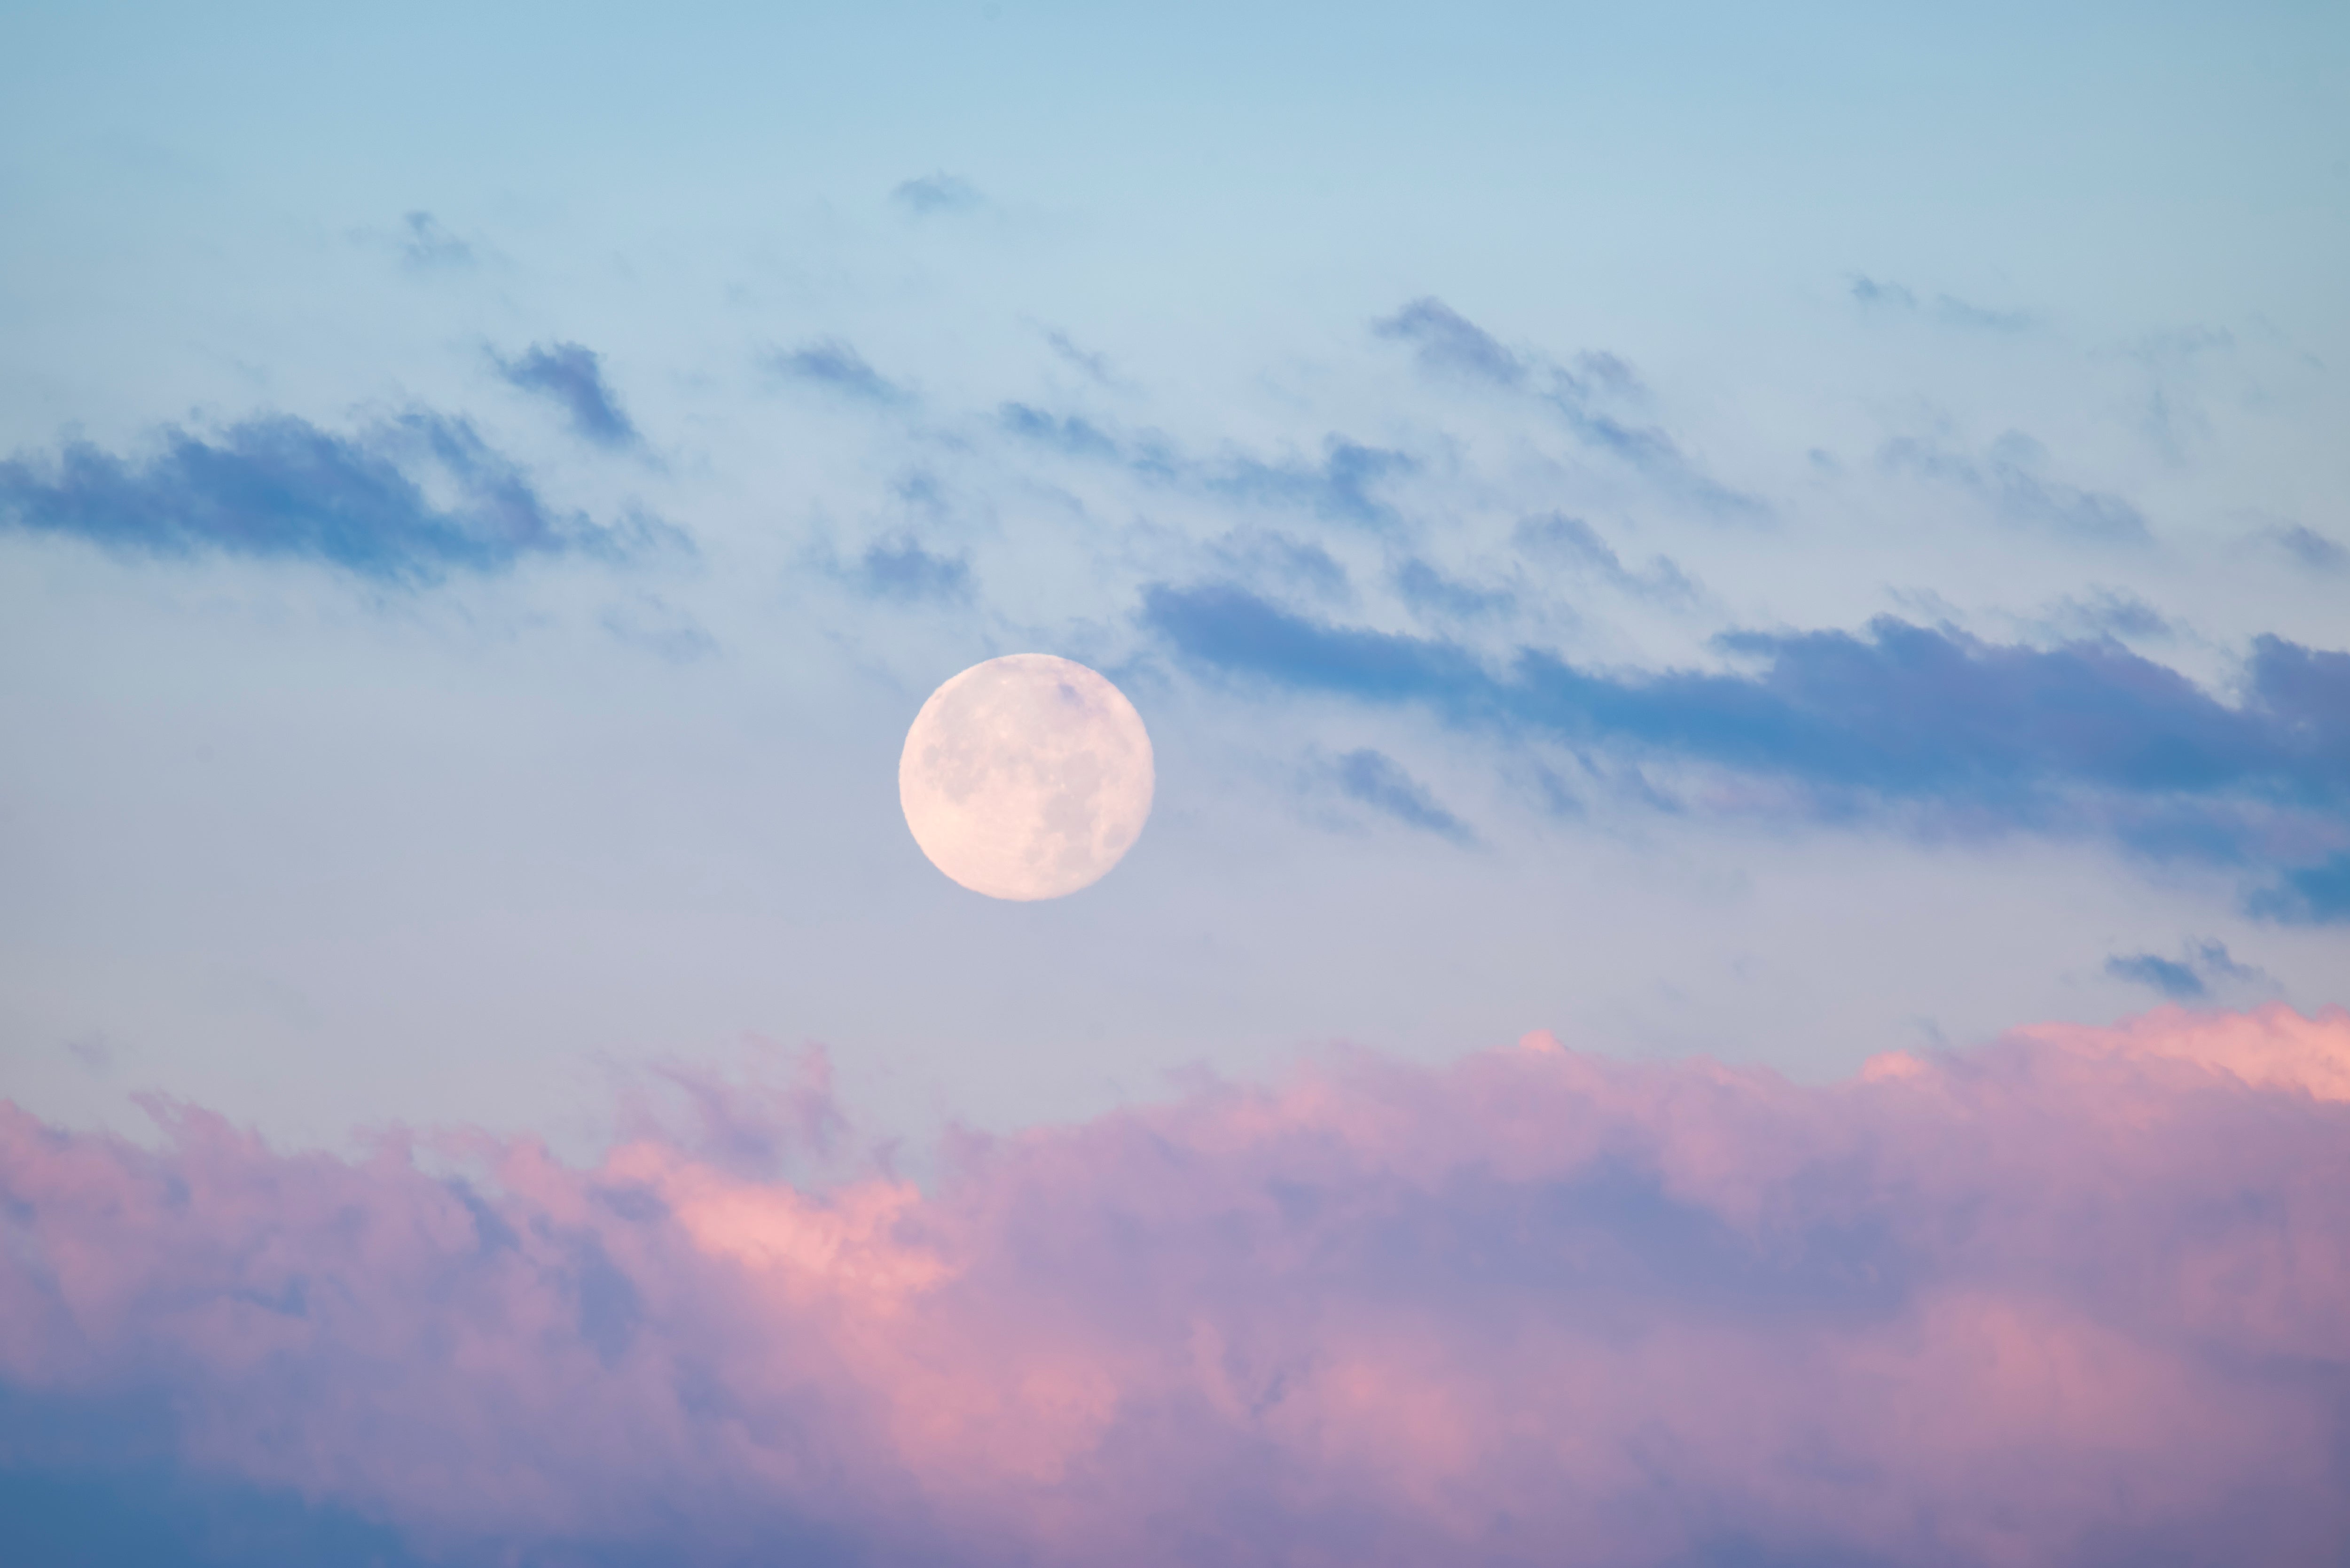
(2076, 1297)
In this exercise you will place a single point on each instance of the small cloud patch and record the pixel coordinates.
(901, 570)
(833, 363)
(571, 375)
(1374, 779)
(936, 192)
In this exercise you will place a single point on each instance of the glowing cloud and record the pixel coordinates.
(2073, 1298)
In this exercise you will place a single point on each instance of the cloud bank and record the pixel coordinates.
(2074, 1298)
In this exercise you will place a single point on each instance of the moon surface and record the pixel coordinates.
(1026, 778)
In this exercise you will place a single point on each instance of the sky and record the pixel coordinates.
(1744, 616)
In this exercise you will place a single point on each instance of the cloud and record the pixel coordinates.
(2309, 548)
(2316, 895)
(1343, 487)
(2199, 967)
(1095, 365)
(1943, 309)
(1432, 593)
(832, 362)
(936, 192)
(2076, 1297)
(2022, 736)
(572, 376)
(1561, 540)
(426, 246)
(1374, 779)
(278, 486)
(901, 570)
(2005, 480)
(1446, 342)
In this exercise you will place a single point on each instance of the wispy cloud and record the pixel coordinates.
(1381, 1314)
(835, 363)
(2023, 736)
(2190, 977)
(900, 568)
(425, 246)
(1561, 540)
(1374, 779)
(2309, 547)
(2007, 481)
(278, 486)
(572, 377)
(1941, 307)
(1446, 342)
(1448, 345)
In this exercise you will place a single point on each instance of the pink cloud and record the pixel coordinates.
(2080, 1297)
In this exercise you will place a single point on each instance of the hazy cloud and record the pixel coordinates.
(936, 192)
(2006, 480)
(1942, 308)
(425, 246)
(1560, 540)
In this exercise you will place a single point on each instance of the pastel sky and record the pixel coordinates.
(1744, 614)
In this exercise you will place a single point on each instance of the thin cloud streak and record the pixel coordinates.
(1979, 1307)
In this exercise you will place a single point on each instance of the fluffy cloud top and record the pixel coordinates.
(2077, 1297)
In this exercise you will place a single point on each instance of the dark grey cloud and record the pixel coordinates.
(936, 192)
(2006, 480)
(833, 363)
(901, 570)
(278, 486)
(572, 377)
(426, 246)
(1942, 308)
(1374, 779)
(2004, 735)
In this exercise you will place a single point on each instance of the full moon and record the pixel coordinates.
(1026, 778)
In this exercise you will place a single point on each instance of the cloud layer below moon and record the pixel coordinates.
(2077, 1297)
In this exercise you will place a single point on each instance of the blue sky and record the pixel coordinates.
(1778, 534)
